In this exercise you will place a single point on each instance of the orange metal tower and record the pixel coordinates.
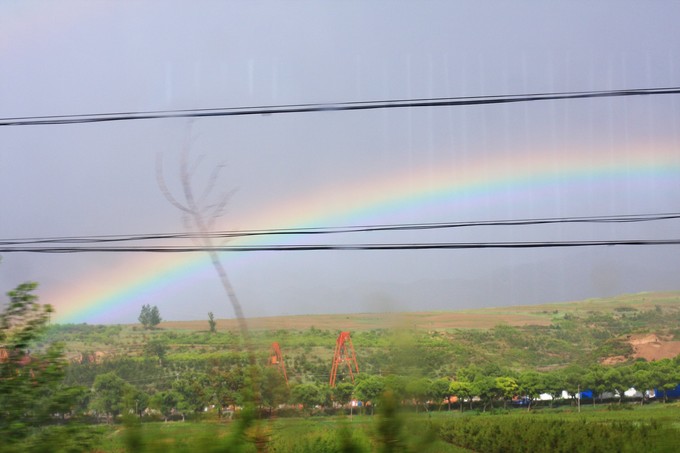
(344, 353)
(276, 359)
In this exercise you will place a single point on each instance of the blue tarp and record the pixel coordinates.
(675, 393)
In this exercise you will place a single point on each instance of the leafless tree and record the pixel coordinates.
(200, 214)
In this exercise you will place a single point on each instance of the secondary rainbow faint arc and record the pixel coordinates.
(351, 203)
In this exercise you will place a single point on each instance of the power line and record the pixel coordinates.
(345, 247)
(319, 107)
(324, 230)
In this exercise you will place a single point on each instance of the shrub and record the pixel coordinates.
(513, 434)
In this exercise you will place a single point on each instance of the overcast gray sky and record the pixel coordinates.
(610, 156)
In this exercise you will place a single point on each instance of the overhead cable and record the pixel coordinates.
(348, 247)
(327, 107)
(323, 230)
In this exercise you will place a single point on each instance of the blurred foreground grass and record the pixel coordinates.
(653, 427)
(650, 428)
(295, 435)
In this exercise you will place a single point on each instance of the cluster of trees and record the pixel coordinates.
(491, 384)
(188, 392)
(488, 385)
(150, 317)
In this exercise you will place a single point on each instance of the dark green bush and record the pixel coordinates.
(505, 434)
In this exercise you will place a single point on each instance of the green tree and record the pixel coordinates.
(109, 394)
(485, 388)
(396, 384)
(168, 403)
(462, 390)
(31, 389)
(616, 380)
(135, 399)
(418, 391)
(507, 388)
(369, 388)
(145, 316)
(642, 378)
(211, 322)
(150, 317)
(194, 386)
(554, 384)
(438, 391)
(156, 349)
(155, 318)
(274, 388)
(69, 401)
(574, 380)
(596, 380)
(531, 384)
(342, 393)
(226, 387)
(665, 376)
(309, 395)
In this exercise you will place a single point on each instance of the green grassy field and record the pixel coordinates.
(649, 428)
(315, 434)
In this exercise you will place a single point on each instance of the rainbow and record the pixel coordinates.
(448, 188)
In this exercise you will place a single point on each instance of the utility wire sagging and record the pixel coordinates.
(320, 247)
(338, 106)
(325, 230)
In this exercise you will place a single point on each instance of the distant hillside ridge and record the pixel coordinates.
(612, 331)
(482, 318)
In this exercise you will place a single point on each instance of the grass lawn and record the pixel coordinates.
(418, 432)
(311, 434)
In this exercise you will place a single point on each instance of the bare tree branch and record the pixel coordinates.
(218, 208)
(196, 164)
(214, 176)
(194, 214)
(160, 179)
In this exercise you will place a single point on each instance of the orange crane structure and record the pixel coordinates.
(276, 359)
(344, 353)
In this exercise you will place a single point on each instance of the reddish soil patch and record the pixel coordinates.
(614, 360)
(651, 347)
